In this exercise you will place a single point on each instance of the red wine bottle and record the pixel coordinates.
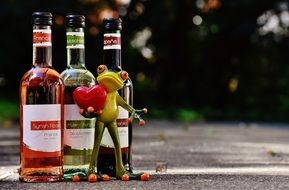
(112, 59)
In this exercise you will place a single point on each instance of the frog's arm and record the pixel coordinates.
(123, 104)
(134, 113)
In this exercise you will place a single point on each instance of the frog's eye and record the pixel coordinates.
(101, 68)
(124, 75)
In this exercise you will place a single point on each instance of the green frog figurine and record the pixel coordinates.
(106, 117)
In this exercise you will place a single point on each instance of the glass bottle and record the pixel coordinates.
(112, 59)
(41, 110)
(78, 131)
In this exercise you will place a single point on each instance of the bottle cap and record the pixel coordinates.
(42, 18)
(75, 21)
(112, 23)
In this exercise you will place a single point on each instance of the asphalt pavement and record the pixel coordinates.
(192, 156)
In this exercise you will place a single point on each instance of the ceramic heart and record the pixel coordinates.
(94, 96)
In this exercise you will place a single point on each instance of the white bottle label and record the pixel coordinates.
(111, 41)
(78, 130)
(41, 37)
(42, 127)
(122, 123)
(75, 40)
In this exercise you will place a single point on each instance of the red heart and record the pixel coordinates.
(94, 96)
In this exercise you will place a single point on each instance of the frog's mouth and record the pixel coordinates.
(110, 81)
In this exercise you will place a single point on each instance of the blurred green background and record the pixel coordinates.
(212, 60)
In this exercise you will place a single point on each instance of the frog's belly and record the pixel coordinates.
(108, 116)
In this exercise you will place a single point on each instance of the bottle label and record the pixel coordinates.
(75, 40)
(42, 127)
(41, 37)
(111, 41)
(78, 130)
(122, 123)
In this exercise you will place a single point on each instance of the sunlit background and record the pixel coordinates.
(203, 60)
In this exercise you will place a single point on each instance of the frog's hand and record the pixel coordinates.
(134, 113)
(137, 115)
(90, 112)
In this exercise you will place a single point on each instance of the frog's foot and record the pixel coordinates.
(75, 178)
(75, 175)
(137, 115)
(97, 177)
(102, 177)
(143, 176)
(92, 177)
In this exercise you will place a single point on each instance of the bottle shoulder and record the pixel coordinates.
(42, 74)
(74, 71)
(39, 76)
(76, 77)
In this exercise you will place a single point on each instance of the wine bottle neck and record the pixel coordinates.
(112, 49)
(75, 47)
(42, 46)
